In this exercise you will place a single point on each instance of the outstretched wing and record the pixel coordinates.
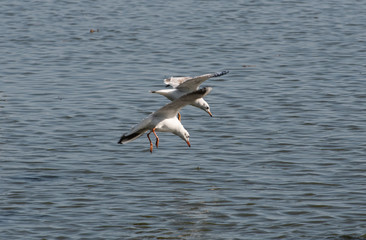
(171, 109)
(189, 84)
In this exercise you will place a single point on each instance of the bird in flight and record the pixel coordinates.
(165, 119)
(184, 85)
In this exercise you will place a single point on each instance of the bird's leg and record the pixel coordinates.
(179, 117)
(151, 145)
(157, 138)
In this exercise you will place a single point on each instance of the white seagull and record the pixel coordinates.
(184, 85)
(165, 120)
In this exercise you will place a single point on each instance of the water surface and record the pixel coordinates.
(282, 158)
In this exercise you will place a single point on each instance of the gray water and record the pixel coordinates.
(282, 158)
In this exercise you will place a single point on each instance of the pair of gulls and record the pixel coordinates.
(185, 91)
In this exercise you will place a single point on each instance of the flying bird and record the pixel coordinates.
(165, 120)
(184, 85)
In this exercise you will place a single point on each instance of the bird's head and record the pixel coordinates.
(183, 134)
(205, 107)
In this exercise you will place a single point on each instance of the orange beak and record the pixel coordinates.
(188, 143)
(209, 113)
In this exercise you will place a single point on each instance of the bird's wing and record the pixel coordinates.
(136, 131)
(175, 81)
(130, 137)
(192, 84)
(171, 109)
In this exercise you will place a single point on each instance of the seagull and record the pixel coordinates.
(165, 120)
(184, 85)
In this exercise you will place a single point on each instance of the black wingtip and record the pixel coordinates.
(121, 139)
(218, 74)
(126, 138)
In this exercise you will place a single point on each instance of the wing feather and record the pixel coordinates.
(192, 84)
(136, 131)
(175, 81)
(130, 137)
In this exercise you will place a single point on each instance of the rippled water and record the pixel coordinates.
(282, 158)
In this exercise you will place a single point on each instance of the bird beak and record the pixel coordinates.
(209, 113)
(188, 143)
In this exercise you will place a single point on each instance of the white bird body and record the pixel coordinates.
(184, 85)
(165, 119)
